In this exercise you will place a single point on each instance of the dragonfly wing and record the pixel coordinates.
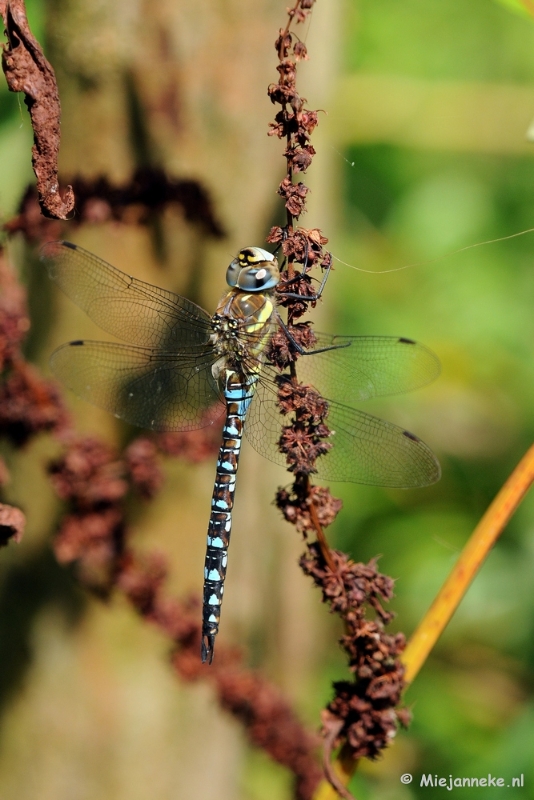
(152, 389)
(362, 367)
(365, 449)
(128, 308)
(370, 450)
(263, 423)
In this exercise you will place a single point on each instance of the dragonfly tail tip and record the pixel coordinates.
(206, 649)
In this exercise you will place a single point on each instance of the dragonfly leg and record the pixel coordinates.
(311, 298)
(298, 347)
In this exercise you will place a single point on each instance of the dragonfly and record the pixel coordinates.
(177, 369)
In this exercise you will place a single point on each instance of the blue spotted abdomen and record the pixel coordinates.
(238, 397)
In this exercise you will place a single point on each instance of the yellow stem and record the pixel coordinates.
(528, 5)
(477, 548)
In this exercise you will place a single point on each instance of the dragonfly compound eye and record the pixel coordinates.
(258, 279)
(232, 273)
(253, 270)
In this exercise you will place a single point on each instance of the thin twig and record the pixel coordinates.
(321, 538)
(337, 776)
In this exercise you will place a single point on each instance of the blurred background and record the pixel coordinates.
(422, 151)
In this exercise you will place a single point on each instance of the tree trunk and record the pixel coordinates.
(181, 86)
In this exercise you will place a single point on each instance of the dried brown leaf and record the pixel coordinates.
(28, 71)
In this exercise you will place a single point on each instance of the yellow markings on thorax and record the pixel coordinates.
(254, 313)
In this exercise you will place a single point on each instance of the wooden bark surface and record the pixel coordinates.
(181, 86)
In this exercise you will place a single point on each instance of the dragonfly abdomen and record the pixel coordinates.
(238, 394)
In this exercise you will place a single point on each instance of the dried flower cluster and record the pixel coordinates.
(293, 122)
(362, 715)
(90, 477)
(28, 403)
(94, 535)
(305, 437)
(365, 705)
(12, 522)
(193, 446)
(298, 502)
(278, 733)
(142, 462)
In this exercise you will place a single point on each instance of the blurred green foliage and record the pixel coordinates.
(449, 39)
(473, 701)
(516, 5)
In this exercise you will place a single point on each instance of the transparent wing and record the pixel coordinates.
(132, 310)
(362, 367)
(152, 389)
(370, 450)
(365, 449)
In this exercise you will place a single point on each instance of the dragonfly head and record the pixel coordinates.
(253, 270)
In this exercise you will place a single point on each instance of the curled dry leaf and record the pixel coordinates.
(28, 71)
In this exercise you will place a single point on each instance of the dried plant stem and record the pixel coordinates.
(471, 559)
(343, 768)
(321, 538)
(290, 15)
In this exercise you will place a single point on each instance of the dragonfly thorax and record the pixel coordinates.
(242, 326)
